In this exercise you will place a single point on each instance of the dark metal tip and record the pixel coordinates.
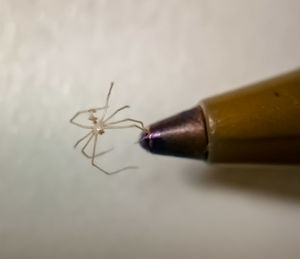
(150, 140)
(181, 135)
(144, 140)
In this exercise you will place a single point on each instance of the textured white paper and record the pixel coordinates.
(59, 56)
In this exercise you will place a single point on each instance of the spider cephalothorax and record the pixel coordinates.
(98, 125)
(98, 128)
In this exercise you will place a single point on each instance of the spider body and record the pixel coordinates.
(99, 126)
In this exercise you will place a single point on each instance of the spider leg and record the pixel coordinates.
(96, 155)
(107, 100)
(93, 156)
(123, 169)
(115, 112)
(78, 124)
(102, 170)
(127, 119)
(101, 108)
(76, 144)
(85, 145)
(125, 127)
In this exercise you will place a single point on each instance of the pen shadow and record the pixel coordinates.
(276, 181)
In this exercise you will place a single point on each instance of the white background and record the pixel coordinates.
(59, 56)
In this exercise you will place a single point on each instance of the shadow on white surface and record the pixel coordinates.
(275, 181)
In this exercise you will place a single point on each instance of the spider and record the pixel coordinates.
(100, 126)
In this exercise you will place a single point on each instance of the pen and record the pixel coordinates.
(256, 124)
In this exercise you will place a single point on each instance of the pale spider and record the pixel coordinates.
(98, 128)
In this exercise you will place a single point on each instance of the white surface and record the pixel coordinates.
(58, 56)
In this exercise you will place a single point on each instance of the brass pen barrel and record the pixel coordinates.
(256, 124)
(259, 123)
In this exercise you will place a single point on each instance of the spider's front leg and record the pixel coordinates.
(111, 125)
(125, 127)
(115, 112)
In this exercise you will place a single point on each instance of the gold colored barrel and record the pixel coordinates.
(256, 124)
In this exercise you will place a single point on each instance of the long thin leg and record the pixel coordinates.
(93, 156)
(78, 124)
(76, 144)
(101, 108)
(89, 140)
(115, 112)
(96, 155)
(125, 127)
(107, 100)
(102, 170)
(127, 119)
(123, 169)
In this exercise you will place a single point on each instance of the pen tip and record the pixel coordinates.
(146, 140)
(180, 135)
